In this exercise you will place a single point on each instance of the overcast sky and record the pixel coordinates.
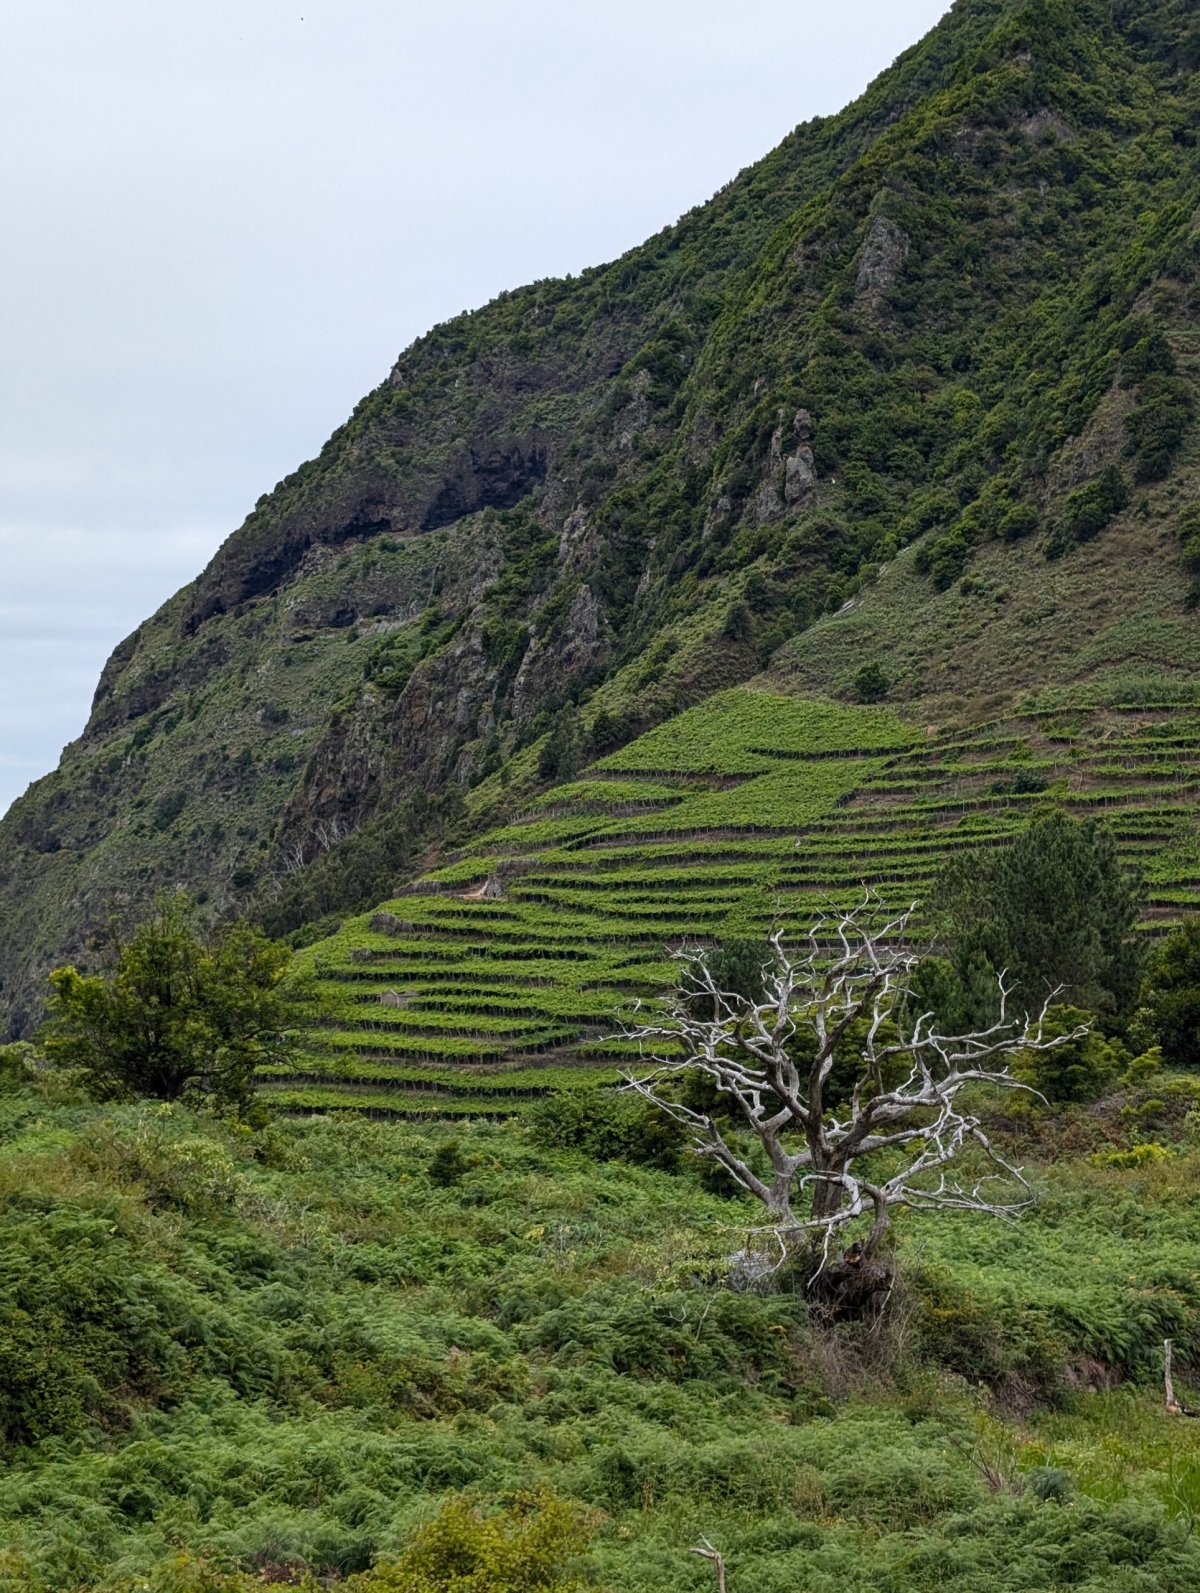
(223, 219)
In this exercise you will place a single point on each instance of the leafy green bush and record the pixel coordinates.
(447, 1165)
(176, 1015)
(526, 1548)
(1156, 429)
(1090, 509)
(871, 682)
(1169, 1004)
(1079, 1069)
(155, 1149)
(608, 1126)
(1022, 520)
(944, 559)
(1142, 1155)
(89, 1322)
(17, 1066)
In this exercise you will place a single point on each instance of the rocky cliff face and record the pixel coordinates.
(572, 512)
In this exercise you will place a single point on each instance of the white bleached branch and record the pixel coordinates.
(886, 1138)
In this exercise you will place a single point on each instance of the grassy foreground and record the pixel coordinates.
(273, 1352)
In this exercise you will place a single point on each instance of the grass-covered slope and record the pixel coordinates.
(501, 974)
(956, 313)
(279, 1351)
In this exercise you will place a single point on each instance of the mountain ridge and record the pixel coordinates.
(566, 516)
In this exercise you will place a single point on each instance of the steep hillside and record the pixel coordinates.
(502, 974)
(234, 1358)
(961, 313)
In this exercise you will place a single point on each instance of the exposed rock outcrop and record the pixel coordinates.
(569, 649)
(884, 251)
(790, 479)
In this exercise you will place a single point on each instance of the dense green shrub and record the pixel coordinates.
(944, 559)
(1079, 1069)
(1090, 509)
(871, 682)
(447, 1165)
(1156, 429)
(608, 1126)
(563, 751)
(1169, 1004)
(89, 1322)
(737, 965)
(176, 1015)
(525, 1548)
(1022, 520)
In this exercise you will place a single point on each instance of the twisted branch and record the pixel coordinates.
(773, 1059)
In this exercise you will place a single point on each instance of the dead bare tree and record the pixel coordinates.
(1170, 1403)
(706, 1552)
(883, 1132)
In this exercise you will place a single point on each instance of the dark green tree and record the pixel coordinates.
(1080, 1068)
(1169, 1008)
(562, 752)
(737, 965)
(1089, 509)
(1055, 909)
(871, 682)
(1021, 521)
(447, 1165)
(176, 1015)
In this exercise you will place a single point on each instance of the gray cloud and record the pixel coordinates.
(225, 219)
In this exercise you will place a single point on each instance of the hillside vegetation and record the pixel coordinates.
(960, 315)
(232, 1359)
(847, 530)
(753, 810)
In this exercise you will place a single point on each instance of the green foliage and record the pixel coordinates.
(175, 1015)
(296, 1357)
(391, 663)
(1022, 520)
(1055, 909)
(1142, 1155)
(871, 682)
(1090, 509)
(448, 1164)
(1079, 1069)
(1169, 1005)
(17, 1066)
(737, 966)
(525, 1548)
(562, 752)
(363, 869)
(168, 808)
(944, 559)
(504, 646)
(1156, 429)
(739, 624)
(90, 1322)
(606, 1125)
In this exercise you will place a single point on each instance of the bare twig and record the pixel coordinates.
(706, 1552)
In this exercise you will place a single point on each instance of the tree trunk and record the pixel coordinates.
(829, 1193)
(851, 1288)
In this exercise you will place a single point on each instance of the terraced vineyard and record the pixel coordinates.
(498, 975)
